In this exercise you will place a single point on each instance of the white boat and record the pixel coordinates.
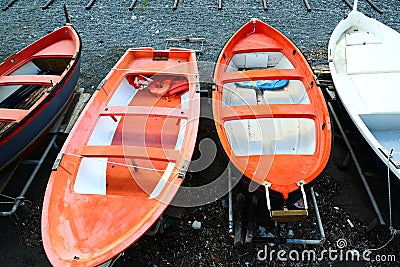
(365, 65)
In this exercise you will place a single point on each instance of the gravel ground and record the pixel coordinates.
(107, 30)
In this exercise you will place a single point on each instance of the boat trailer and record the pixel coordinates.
(242, 220)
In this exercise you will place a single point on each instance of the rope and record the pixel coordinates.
(387, 243)
(23, 200)
(115, 259)
(389, 190)
(392, 230)
(5, 196)
(120, 164)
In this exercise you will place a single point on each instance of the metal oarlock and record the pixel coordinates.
(287, 215)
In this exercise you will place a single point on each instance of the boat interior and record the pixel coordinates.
(151, 126)
(23, 89)
(372, 83)
(255, 136)
(373, 71)
(386, 130)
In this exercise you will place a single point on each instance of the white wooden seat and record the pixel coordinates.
(372, 58)
(238, 96)
(293, 93)
(271, 136)
(259, 60)
(45, 80)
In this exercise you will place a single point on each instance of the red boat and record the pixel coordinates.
(271, 117)
(36, 85)
(125, 158)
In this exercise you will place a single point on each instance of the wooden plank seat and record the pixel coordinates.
(53, 50)
(145, 110)
(270, 74)
(268, 111)
(53, 54)
(45, 80)
(12, 115)
(136, 152)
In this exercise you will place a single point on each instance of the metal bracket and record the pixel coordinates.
(101, 84)
(57, 161)
(198, 89)
(75, 56)
(178, 42)
(184, 168)
(254, 20)
(388, 154)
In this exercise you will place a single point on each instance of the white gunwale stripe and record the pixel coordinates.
(163, 181)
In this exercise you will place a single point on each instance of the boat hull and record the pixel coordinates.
(366, 89)
(276, 135)
(39, 123)
(379, 170)
(125, 158)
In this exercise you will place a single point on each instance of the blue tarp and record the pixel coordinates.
(264, 84)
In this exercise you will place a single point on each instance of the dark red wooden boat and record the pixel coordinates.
(36, 85)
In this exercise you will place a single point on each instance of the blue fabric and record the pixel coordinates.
(264, 84)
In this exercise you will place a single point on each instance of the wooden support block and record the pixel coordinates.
(265, 4)
(240, 203)
(132, 5)
(90, 4)
(47, 4)
(289, 215)
(175, 6)
(348, 4)
(82, 101)
(377, 9)
(69, 117)
(9, 4)
(307, 5)
(251, 222)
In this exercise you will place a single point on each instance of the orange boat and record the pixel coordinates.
(271, 117)
(125, 158)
